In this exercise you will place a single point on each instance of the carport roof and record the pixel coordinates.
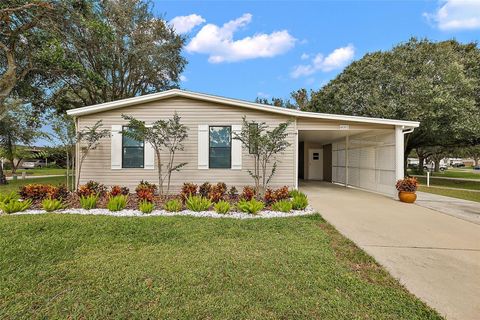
(233, 102)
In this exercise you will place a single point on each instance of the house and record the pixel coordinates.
(360, 152)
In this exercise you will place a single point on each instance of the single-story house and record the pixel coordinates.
(360, 152)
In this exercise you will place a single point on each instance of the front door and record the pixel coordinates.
(315, 164)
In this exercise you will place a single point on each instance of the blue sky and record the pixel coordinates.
(319, 36)
(270, 48)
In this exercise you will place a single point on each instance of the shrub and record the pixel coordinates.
(7, 197)
(217, 192)
(117, 190)
(173, 205)
(89, 202)
(295, 192)
(407, 184)
(36, 191)
(222, 207)
(51, 204)
(299, 201)
(282, 205)
(269, 196)
(198, 203)
(251, 206)
(188, 189)
(91, 187)
(282, 193)
(204, 189)
(146, 191)
(117, 203)
(15, 205)
(248, 193)
(233, 192)
(146, 206)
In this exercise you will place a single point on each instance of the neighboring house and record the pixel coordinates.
(321, 144)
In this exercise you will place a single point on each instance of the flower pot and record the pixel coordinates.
(407, 196)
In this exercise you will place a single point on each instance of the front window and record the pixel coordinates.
(220, 145)
(132, 152)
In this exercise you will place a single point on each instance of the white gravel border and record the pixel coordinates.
(266, 214)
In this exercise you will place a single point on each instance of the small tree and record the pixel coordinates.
(263, 145)
(88, 139)
(65, 136)
(168, 134)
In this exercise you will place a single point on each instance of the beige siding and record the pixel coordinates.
(322, 124)
(192, 112)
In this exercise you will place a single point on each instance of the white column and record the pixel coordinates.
(399, 150)
(296, 150)
(346, 159)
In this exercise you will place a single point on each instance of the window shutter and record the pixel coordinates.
(202, 146)
(236, 148)
(149, 155)
(116, 147)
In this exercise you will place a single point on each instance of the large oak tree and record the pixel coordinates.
(436, 83)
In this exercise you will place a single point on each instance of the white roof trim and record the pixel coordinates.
(234, 102)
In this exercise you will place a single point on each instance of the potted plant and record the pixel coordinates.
(406, 189)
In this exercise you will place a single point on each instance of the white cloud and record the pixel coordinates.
(263, 95)
(184, 24)
(219, 44)
(456, 15)
(183, 78)
(304, 56)
(337, 59)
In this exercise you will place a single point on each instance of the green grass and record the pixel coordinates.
(460, 194)
(98, 267)
(459, 184)
(38, 172)
(13, 185)
(456, 173)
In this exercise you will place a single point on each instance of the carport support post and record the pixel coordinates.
(346, 159)
(399, 150)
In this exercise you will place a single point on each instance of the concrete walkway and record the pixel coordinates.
(36, 177)
(436, 256)
(462, 209)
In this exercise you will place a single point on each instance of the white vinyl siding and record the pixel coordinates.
(236, 148)
(371, 161)
(197, 116)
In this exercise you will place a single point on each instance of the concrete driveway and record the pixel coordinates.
(436, 256)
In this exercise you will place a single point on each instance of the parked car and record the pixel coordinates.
(32, 164)
(476, 168)
(431, 167)
(458, 165)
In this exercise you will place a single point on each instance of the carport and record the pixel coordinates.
(359, 152)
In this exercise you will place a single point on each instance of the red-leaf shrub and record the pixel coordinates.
(91, 188)
(217, 192)
(204, 189)
(409, 184)
(36, 191)
(117, 190)
(282, 193)
(146, 191)
(188, 189)
(270, 196)
(248, 193)
(233, 192)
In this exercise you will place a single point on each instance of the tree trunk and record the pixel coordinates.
(421, 161)
(437, 165)
(3, 179)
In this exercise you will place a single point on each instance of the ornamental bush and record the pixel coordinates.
(222, 207)
(198, 203)
(252, 206)
(282, 206)
(13, 206)
(173, 205)
(117, 203)
(409, 184)
(89, 202)
(146, 206)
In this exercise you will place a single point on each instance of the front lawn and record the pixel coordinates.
(459, 194)
(14, 185)
(38, 172)
(71, 266)
(459, 184)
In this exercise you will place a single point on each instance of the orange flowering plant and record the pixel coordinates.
(409, 184)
